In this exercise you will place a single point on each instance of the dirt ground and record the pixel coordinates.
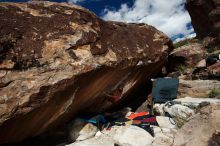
(202, 130)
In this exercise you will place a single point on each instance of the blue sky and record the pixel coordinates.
(168, 16)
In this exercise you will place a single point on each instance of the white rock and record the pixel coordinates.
(169, 132)
(162, 140)
(197, 101)
(99, 133)
(159, 109)
(179, 111)
(166, 130)
(88, 131)
(133, 136)
(165, 122)
(201, 64)
(163, 136)
(80, 130)
(104, 141)
(156, 129)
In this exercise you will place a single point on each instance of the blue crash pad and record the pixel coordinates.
(165, 89)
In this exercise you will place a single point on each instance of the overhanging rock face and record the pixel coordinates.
(205, 16)
(57, 60)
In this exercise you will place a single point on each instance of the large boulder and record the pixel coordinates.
(214, 69)
(205, 18)
(187, 55)
(179, 113)
(133, 136)
(58, 60)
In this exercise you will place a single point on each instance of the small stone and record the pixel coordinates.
(201, 64)
(2, 73)
(162, 140)
(99, 133)
(158, 108)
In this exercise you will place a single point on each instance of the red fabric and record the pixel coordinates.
(109, 128)
(134, 115)
(149, 120)
(136, 122)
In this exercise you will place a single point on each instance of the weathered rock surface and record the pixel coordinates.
(205, 17)
(187, 55)
(95, 142)
(214, 69)
(199, 130)
(163, 136)
(196, 102)
(133, 136)
(179, 113)
(119, 135)
(181, 110)
(197, 88)
(165, 122)
(201, 64)
(57, 60)
(103, 138)
(81, 130)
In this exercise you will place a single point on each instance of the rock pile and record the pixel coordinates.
(172, 129)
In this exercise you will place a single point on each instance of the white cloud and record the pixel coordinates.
(168, 16)
(186, 37)
(75, 1)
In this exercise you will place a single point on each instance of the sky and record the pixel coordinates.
(168, 16)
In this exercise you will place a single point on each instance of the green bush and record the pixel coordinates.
(215, 93)
(185, 42)
(181, 68)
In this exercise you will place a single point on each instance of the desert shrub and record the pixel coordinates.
(185, 42)
(181, 68)
(215, 93)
